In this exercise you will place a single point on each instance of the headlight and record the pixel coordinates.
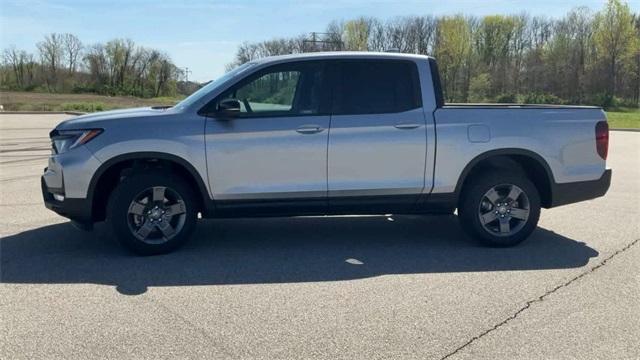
(64, 140)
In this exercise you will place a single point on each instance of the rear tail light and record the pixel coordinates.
(602, 139)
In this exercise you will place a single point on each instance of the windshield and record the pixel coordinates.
(193, 98)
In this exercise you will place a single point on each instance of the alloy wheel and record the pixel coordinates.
(156, 215)
(504, 210)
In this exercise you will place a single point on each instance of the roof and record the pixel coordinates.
(340, 55)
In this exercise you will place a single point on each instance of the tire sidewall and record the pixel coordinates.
(468, 211)
(128, 189)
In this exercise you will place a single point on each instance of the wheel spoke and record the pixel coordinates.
(514, 193)
(167, 230)
(136, 208)
(488, 217)
(145, 230)
(158, 193)
(521, 214)
(176, 209)
(505, 227)
(492, 195)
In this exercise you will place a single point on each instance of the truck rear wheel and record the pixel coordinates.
(499, 209)
(152, 212)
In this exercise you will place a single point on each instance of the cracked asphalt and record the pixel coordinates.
(318, 288)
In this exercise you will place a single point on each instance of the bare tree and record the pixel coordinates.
(51, 52)
(334, 32)
(16, 60)
(72, 51)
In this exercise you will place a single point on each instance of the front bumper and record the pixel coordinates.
(68, 175)
(75, 209)
(569, 193)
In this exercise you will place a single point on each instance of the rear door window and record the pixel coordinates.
(376, 87)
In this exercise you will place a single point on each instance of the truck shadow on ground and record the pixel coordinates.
(280, 250)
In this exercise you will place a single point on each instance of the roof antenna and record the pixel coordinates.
(392, 50)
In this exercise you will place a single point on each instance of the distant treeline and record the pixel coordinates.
(581, 58)
(64, 64)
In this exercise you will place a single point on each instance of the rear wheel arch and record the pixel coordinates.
(530, 164)
(111, 172)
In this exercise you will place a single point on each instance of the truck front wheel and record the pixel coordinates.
(153, 212)
(499, 209)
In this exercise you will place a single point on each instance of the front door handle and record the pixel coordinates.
(406, 126)
(309, 129)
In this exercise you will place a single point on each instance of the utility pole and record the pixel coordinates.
(318, 42)
(186, 74)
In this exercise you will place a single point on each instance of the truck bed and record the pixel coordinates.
(514, 106)
(563, 135)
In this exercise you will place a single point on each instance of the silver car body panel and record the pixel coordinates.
(377, 154)
(71, 172)
(563, 137)
(166, 131)
(266, 158)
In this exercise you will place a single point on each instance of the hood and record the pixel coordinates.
(96, 120)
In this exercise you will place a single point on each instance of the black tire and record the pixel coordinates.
(123, 215)
(474, 204)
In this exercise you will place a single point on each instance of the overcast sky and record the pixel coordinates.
(203, 35)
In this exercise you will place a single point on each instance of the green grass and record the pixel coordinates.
(33, 101)
(624, 118)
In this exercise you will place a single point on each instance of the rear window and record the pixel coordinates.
(376, 87)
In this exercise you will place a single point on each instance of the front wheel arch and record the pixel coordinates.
(111, 172)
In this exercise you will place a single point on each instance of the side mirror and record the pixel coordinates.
(228, 108)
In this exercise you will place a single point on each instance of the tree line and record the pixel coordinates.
(64, 64)
(583, 57)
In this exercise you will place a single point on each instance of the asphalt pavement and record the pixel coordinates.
(367, 287)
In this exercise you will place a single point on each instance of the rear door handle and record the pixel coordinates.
(406, 126)
(309, 129)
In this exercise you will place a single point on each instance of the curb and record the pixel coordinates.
(42, 112)
(623, 129)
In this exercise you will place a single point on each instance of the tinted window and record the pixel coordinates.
(376, 86)
(273, 91)
(290, 89)
(203, 91)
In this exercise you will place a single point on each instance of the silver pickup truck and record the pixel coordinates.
(324, 133)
